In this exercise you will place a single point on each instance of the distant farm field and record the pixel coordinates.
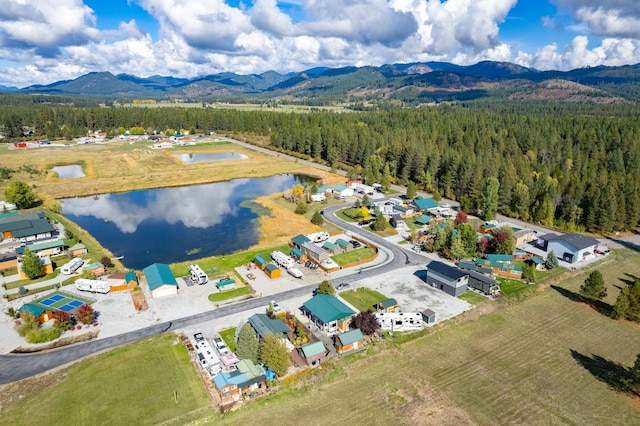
(150, 382)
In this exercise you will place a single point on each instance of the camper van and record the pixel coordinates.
(197, 274)
(72, 266)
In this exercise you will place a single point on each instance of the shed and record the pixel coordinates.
(388, 305)
(131, 279)
(330, 247)
(272, 271)
(314, 353)
(42, 314)
(349, 340)
(160, 280)
(226, 284)
(429, 316)
(96, 268)
(299, 241)
(298, 254)
(260, 262)
(77, 250)
(344, 244)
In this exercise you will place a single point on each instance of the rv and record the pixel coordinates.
(197, 274)
(282, 259)
(318, 237)
(207, 357)
(94, 286)
(72, 266)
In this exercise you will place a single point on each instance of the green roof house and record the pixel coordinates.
(328, 313)
(264, 325)
(423, 204)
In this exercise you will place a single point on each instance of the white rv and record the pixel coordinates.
(197, 274)
(72, 266)
(94, 286)
(282, 259)
(318, 237)
(208, 358)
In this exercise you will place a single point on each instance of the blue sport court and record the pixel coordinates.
(62, 301)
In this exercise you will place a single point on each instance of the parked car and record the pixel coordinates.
(343, 286)
(220, 345)
(355, 244)
(199, 337)
(275, 306)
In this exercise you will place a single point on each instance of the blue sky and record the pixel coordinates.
(43, 41)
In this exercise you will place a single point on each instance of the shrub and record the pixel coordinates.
(42, 335)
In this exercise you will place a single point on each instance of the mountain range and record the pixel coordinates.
(405, 83)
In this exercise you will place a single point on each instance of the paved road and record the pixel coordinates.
(14, 367)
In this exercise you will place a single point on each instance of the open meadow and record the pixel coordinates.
(547, 359)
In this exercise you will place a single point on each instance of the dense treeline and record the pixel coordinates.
(575, 167)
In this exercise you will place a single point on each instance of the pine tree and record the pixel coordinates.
(248, 345)
(551, 261)
(274, 354)
(594, 287)
(317, 218)
(490, 193)
(31, 264)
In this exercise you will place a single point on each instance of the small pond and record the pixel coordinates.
(214, 156)
(169, 225)
(69, 172)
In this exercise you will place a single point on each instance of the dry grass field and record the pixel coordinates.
(118, 167)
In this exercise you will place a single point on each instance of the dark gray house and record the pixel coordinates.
(447, 278)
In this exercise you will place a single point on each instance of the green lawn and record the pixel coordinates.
(472, 297)
(229, 337)
(226, 295)
(354, 255)
(149, 382)
(512, 287)
(363, 298)
(342, 215)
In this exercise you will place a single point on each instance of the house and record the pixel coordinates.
(331, 247)
(315, 252)
(96, 268)
(344, 245)
(424, 204)
(399, 321)
(387, 305)
(502, 258)
(348, 341)
(272, 271)
(160, 280)
(46, 268)
(318, 197)
(314, 353)
(447, 278)
(46, 248)
(429, 316)
(260, 262)
(524, 236)
(328, 313)
(325, 189)
(247, 379)
(298, 254)
(423, 220)
(501, 269)
(488, 227)
(42, 314)
(77, 250)
(403, 211)
(343, 191)
(299, 241)
(570, 248)
(264, 325)
(26, 227)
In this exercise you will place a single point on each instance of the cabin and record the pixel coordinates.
(46, 267)
(40, 313)
(387, 305)
(260, 262)
(46, 248)
(77, 250)
(96, 269)
(298, 255)
(8, 260)
(447, 278)
(344, 245)
(348, 341)
(272, 271)
(501, 269)
(160, 280)
(328, 313)
(331, 247)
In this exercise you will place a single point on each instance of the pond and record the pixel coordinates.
(214, 156)
(170, 225)
(69, 172)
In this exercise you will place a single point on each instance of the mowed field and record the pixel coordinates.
(146, 383)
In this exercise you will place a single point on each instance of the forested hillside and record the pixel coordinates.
(575, 166)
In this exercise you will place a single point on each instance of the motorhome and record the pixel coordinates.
(72, 266)
(94, 286)
(208, 358)
(318, 237)
(197, 274)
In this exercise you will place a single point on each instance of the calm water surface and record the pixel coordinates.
(205, 158)
(69, 172)
(170, 225)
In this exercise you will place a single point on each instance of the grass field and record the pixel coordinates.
(472, 297)
(354, 256)
(363, 298)
(230, 294)
(134, 384)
